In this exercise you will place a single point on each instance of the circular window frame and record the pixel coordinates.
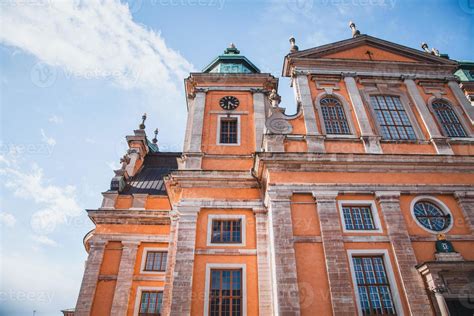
(439, 204)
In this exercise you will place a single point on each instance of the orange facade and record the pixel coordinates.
(368, 187)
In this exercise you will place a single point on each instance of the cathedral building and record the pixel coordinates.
(361, 203)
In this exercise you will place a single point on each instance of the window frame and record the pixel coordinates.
(144, 256)
(459, 115)
(243, 230)
(388, 270)
(369, 91)
(347, 112)
(439, 204)
(224, 266)
(218, 135)
(138, 298)
(375, 216)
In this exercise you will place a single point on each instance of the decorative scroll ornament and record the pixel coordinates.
(277, 124)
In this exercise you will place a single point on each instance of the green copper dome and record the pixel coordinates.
(231, 62)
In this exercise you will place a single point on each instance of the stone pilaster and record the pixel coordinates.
(124, 278)
(371, 142)
(263, 263)
(303, 93)
(412, 281)
(438, 140)
(466, 202)
(91, 276)
(198, 120)
(168, 289)
(108, 202)
(461, 98)
(337, 266)
(184, 262)
(287, 300)
(259, 118)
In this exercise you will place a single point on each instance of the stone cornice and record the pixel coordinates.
(313, 162)
(137, 217)
(203, 178)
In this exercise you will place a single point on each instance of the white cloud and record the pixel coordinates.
(48, 140)
(55, 119)
(7, 219)
(44, 240)
(94, 39)
(56, 204)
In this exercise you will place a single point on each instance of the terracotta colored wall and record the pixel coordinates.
(360, 54)
(213, 110)
(157, 203)
(133, 229)
(104, 295)
(312, 279)
(304, 215)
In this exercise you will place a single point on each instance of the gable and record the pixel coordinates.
(381, 50)
(368, 52)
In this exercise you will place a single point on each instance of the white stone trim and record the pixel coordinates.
(373, 208)
(210, 266)
(347, 112)
(390, 274)
(144, 255)
(438, 203)
(138, 297)
(218, 134)
(243, 225)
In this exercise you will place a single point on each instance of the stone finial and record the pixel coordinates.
(232, 49)
(433, 51)
(142, 125)
(425, 47)
(355, 31)
(293, 47)
(155, 139)
(274, 98)
(125, 160)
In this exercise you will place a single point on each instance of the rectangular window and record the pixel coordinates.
(225, 297)
(226, 231)
(156, 261)
(373, 286)
(392, 118)
(150, 303)
(358, 217)
(228, 130)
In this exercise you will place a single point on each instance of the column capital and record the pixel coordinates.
(97, 244)
(260, 211)
(279, 195)
(464, 195)
(387, 196)
(348, 74)
(325, 196)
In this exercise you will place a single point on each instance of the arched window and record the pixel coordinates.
(334, 118)
(448, 119)
(431, 216)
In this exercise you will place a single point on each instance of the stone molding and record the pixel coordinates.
(124, 278)
(465, 200)
(283, 260)
(340, 285)
(90, 278)
(463, 101)
(129, 216)
(418, 302)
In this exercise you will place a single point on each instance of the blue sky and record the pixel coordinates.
(75, 78)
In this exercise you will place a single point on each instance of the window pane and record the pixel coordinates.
(448, 119)
(430, 216)
(334, 117)
(358, 218)
(392, 118)
(226, 292)
(373, 287)
(228, 132)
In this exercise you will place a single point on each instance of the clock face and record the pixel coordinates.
(229, 103)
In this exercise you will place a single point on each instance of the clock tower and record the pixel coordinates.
(226, 113)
